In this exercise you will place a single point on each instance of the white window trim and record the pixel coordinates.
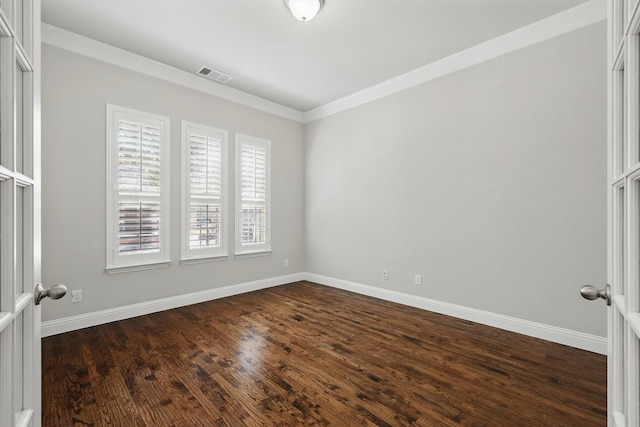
(120, 264)
(189, 256)
(264, 249)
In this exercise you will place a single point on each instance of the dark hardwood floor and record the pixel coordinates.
(305, 354)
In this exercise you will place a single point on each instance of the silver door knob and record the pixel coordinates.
(592, 293)
(54, 292)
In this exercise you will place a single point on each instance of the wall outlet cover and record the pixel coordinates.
(76, 296)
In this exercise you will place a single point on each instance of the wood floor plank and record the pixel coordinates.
(307, 355)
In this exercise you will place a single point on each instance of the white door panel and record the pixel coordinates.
(624, 208)
(19, 212)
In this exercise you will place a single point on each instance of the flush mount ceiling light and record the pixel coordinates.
(304, 10)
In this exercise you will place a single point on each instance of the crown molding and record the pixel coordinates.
(562, 23)
(91, 48)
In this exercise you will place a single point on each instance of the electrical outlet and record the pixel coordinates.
(76, 296)
(385, 274)
(286, 263)
(418, 280)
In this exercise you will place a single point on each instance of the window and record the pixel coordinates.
(137, 190)
(204, 192)
(253, 187)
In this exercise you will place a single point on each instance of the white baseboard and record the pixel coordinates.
(66, 324)
(568, 337)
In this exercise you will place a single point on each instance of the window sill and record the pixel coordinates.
(253, 254)
(137, 267)
(191, 261)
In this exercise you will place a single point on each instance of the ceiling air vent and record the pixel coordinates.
(215, 75)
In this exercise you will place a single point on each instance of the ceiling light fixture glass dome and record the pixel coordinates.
(304, 10)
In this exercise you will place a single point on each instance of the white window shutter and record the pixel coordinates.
(138, 197)
(204, 192)
(138, 158)
(139, 227)
(254, 173)
(253, 204)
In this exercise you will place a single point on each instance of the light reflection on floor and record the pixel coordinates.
(250, 350)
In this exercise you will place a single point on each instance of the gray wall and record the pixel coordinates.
(490, 182)
(75, 91)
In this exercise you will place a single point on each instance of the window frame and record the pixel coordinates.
(188, 255)
(116, 263)
(257, 249)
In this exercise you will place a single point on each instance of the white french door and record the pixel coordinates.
(624, 212)
(19, 212)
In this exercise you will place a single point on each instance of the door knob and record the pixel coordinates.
(592, 293)
(54, 292)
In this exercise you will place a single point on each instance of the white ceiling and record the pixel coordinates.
(349, 46)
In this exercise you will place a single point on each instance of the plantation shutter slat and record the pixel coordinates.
(138, 158)
(254, 173)
(204, 225)
(253, 220)
(139, 226)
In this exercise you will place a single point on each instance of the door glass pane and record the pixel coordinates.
(19, 119)
(631, 392)
(19, 240)
(623, 119)
(619, 248)
(619, 355)
(26, 120)
(619, 18)
(4, 186)
(18, 368)
(19, 24)
(636, 381)
(619, 145)
(5, 159)
(26, 37)
(6, 387)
